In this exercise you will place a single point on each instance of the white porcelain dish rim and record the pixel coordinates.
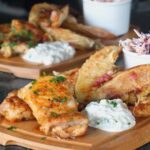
(147, 56)
(108, 3)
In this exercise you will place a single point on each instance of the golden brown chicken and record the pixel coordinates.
(54, 107)
(131, 80)
(21, 37)
(142, 106)
(15, 109)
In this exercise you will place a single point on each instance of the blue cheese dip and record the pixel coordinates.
(49, 53)
(110, 115)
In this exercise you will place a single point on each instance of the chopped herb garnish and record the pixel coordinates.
(23, 33)
(129, 123)
(30, 87)
(11, 128)
(36, 92)
(55, 115)
(116, 121)
(31, 44)
(97, 123)
(59, 99)
(113, 103)
(11, 44)
(58, 79)
(34, 81)
(43, 138)
(1, 36)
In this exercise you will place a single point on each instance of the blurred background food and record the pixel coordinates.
(19, 9)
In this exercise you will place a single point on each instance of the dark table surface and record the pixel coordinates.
(9, 82)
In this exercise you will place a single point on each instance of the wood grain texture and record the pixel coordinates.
(24, 69)
(27, 134)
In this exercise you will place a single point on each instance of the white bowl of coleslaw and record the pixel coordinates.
(136, 51)
(112, 15)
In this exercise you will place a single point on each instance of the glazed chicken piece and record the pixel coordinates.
(15, 109)
(54, 107)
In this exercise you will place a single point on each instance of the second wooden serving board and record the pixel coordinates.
(21, 68)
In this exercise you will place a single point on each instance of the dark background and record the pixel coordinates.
(10, 9)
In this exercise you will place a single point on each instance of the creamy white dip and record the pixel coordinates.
(110, 115)
(49, 53)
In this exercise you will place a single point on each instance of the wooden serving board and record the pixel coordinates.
(27, 134)
(21, 68)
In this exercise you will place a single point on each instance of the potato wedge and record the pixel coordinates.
(97, 66)
(89, 31)
(49, 14)
(77, 40)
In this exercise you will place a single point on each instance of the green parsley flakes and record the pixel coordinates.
(53, 114)
(33, 82)
(58, 79)
(113, 103)
(11, 128)
(59, 99)
(1, 36)
(129, 123)
(36, 92)
(43, 138)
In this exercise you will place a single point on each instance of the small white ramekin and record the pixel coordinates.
(131, 59)
(112, 16)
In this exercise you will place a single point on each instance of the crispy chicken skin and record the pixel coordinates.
(52, 103)
(131, 80)
(142, 106)
(15, 109)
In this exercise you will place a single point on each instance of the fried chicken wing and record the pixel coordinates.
(15, 109)
(54, 107)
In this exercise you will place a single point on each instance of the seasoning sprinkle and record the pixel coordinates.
(59, 99)
(58, 79)
(114, 104)
(33, 82)
(11, 128)
(36, 92)
(43, 138)
(55, 115)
